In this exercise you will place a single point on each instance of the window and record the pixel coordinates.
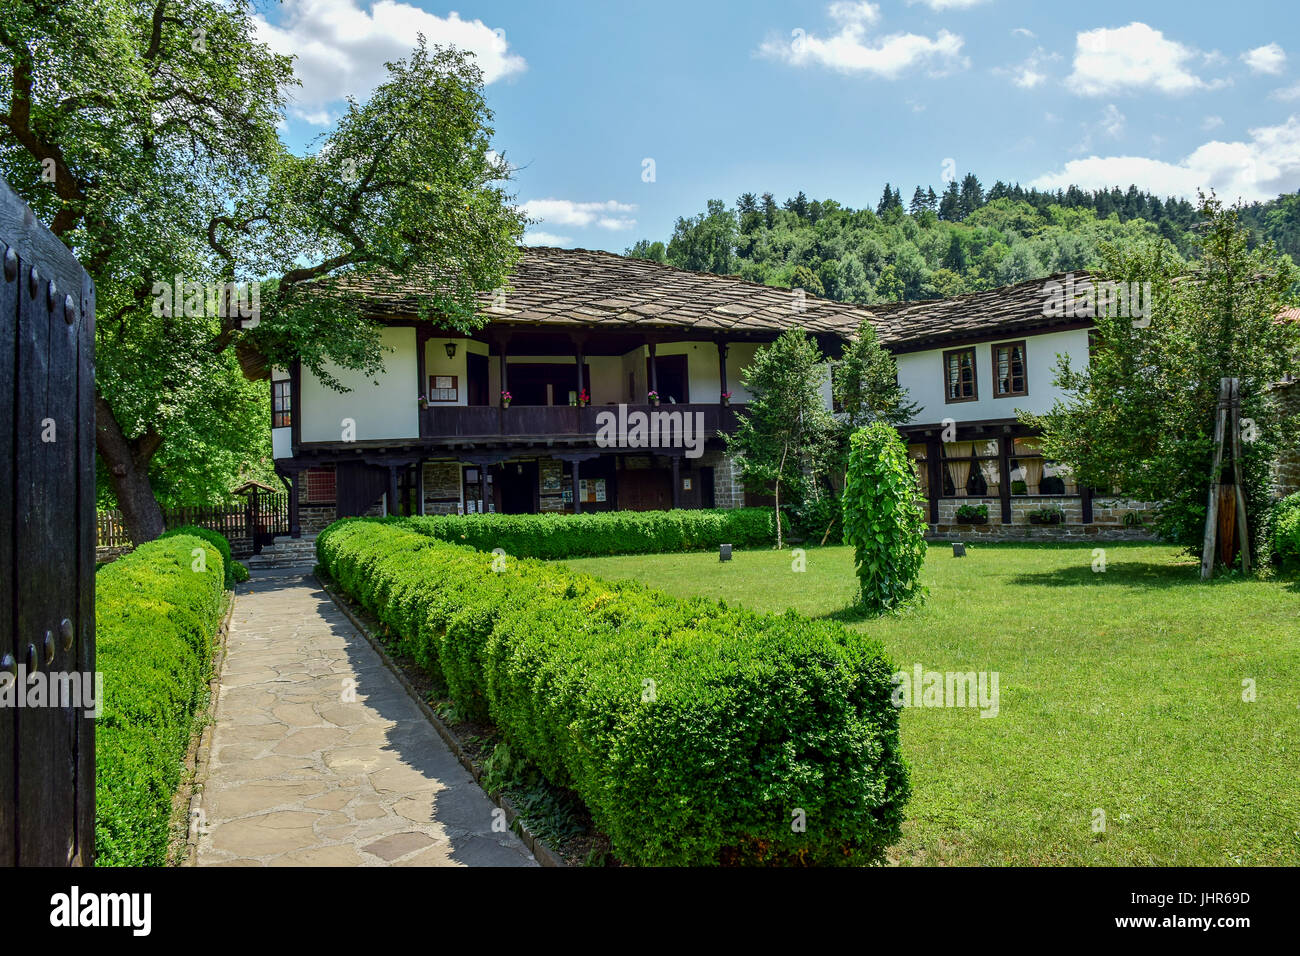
(1009, 375)
(442, 388)
(320, 486)
(959, 374)
(281, 405)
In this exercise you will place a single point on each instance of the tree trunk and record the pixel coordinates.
(777, 488)
(127, 462)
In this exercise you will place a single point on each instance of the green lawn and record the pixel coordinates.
(1119, 691)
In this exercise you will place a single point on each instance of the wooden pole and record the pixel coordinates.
(1243, 535)
(1212, 509)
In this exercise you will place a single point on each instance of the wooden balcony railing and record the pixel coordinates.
(547, 421)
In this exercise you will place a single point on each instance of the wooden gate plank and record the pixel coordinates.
(8, 741)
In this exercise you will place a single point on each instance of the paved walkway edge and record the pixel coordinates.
(540, 850)
(196, 765)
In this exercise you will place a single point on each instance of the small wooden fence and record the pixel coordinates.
(247, 524)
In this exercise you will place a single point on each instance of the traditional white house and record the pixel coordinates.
(538, 410)
(972, 363)
(597, 383)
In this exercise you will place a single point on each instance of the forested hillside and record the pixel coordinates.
(935, 245)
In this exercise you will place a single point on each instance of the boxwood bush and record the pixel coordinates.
(695, 733)
(1286, 530)
(218, 541)
(154, 619)
(555, 536)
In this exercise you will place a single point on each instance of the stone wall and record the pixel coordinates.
(1108, 519)
(727, 490)
(442, 487)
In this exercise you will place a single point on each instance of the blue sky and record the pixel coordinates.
(833, 98)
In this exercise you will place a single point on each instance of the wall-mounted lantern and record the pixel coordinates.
(451, 350)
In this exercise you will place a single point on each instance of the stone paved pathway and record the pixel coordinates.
(300, 775)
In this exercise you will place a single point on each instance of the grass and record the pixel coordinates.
(1120, 691)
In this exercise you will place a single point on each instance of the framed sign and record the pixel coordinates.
(443, 388)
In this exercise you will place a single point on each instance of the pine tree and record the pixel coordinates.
(917, 205)
(769, 210)
(950, 205)
(972, 195)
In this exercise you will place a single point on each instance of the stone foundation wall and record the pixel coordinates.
(442, 487)
(727, 490)
(1108, 519)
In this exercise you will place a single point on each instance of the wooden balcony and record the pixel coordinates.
(543, 422)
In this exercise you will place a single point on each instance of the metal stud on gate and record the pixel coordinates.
(69, 309)
(11, 264)
(33, 662)
(33, 281)
(67, 633)
(49, 647)
(8, 665)
(53, 293)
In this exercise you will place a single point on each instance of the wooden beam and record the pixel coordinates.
(1004, 478)
(1216, 472)
(577, 501)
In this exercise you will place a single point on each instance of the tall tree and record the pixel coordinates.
(783, 442)
(1140, 417)
(950, 204)
(972, 195)
(161, 162)
(865, 384)
(705, 243)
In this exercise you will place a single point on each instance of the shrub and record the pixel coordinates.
(881, 519)
(1286, 529)
(154, 621)
(218, 541)
(976, 513)
(552, 536)
(693, 732)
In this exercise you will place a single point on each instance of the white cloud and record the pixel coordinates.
(341, 49)
(1029, 74)
(1287, 93)
(1254, 171)
(1269, 59)
(1211, 122)
(546, 239)
(850, 50)
(941, 5)
(1023, 32)
(565, 212)
(1112, 121)
(1130, 58)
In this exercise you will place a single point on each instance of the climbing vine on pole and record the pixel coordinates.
(881, 519)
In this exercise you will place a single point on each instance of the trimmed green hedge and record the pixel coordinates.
(695, 733)
(554, 536)
(1286, 529)
(218, 541)
(155, 618)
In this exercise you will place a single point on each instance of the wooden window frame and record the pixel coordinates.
(282, 417)
(1024, 351)
(974, 377)
(455, 388)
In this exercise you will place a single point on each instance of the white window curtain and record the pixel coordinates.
(958, 461)
(917, 454)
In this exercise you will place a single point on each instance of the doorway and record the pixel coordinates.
(476, 374)
(516, 487)
(672, 378)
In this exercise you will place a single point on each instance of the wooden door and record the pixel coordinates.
(47, 543)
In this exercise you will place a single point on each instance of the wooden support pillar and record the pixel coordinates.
(421, 371)
(503, 344)
(934, 463)
(1085, 503)
(652, 371)
(677, 482)
(577, 352)
(295, 528)
(392, 489)
(419, 486)
(482, 489)
(722, 369)
(577, 500)
(1004, 478)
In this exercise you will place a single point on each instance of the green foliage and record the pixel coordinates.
(1286, 530)
(218, 541)
(671, 719)
(167, 164)
(972, 513)
(865, 384)
(881, 518)
(554, 536)
(154, 621)
(784, 442)
(971, 241)
(1140, 417)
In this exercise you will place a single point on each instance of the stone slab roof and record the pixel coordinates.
(1010, 310)
(588, 289)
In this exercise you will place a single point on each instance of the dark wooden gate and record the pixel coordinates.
(47, 541)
